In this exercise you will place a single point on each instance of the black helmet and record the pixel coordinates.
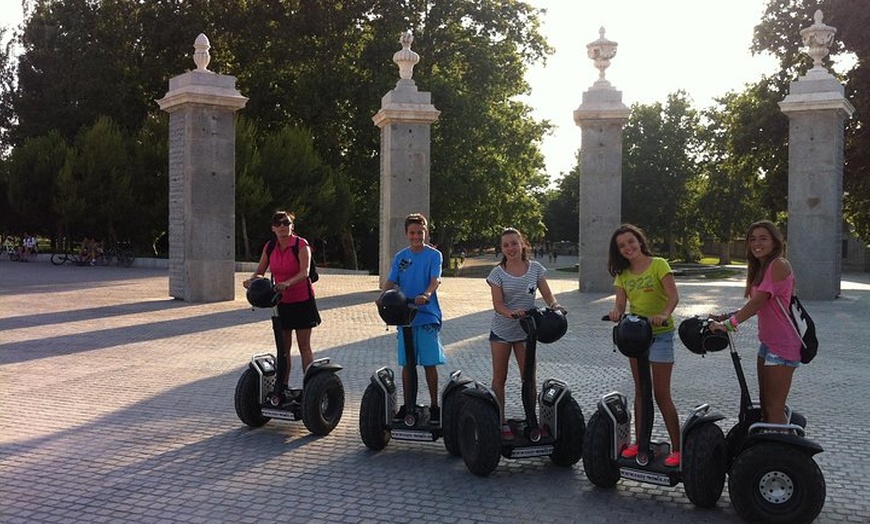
(395, 310)
(633, 336)
(261, 293)
(699, 338)
(552, 325)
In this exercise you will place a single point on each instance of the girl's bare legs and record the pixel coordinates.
(287, 335)
(501, 354)
(661, 375)
(774, 383)
(303, 339)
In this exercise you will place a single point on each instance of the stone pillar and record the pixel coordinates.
(817, 111)
(601, 117)
(202, 190)
(405, 120)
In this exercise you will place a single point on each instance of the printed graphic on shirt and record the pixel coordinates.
(405, 263)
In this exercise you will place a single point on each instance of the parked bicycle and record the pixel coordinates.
(68, 257)
(120, 253)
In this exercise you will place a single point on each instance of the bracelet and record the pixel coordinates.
(731, 324)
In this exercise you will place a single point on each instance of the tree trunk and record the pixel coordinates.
(347, 247)
(724, 253)
(246, 242)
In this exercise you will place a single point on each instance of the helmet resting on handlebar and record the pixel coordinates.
(261, 293)
(696, 335)
(395, 310)
(633, 336)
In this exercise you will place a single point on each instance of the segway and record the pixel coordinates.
(703, 456)
(261, 394)
(772, 475)
(380, 418)
(557, 432)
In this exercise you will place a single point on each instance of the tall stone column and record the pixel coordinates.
(601, 117)
(405, 120)
(817, 111)
(202, 190)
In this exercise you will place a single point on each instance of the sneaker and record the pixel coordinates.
(629, 452)
(506, 433)
(673, 460)
(434, 415)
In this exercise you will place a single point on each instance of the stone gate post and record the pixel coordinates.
(405, 120)
(817, 111)
(601, 117)
(202, 190)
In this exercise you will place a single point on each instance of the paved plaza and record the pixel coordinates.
(117, 406)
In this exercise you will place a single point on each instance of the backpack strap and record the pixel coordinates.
(295, 248)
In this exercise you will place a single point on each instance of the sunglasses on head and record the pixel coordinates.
(285, 222)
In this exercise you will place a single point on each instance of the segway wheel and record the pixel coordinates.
(322, 403)
(452, 405)
(248, 399)
(479, 435)
(776, 483)
(704, 459)
(568, 449)
(598, 463)
(372, 414)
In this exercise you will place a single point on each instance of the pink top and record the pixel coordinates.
(774, 328)
(284, 265)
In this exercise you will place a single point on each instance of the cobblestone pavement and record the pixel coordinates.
(117, 406)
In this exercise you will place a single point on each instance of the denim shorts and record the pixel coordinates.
(427, 341)
(662, 349)
(772, 359)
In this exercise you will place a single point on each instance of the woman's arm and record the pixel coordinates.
(670, 286)
(547, 295)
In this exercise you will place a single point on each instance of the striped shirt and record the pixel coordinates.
(517, 293)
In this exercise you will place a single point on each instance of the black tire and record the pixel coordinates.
(479, 435)
(58, 259)
(372, 414)
(777, 483)
(704, 459)
(568, 449)
(322, 403)
(248, 399)
(600, 468)
(450, 421)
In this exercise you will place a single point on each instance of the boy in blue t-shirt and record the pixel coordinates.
(416, 271)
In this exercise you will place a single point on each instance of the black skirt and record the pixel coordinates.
(299, 315)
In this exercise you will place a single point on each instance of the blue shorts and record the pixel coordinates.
(772, 359)
(662, 349)
(427, 339)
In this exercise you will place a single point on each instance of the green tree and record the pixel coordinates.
(33, 170)
(660, 157)
(562, 214)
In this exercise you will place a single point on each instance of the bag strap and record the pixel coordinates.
(295, 248)
(792, 321)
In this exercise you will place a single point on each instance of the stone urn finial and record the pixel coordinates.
(818, 38)
(406, 59)
(201, 56)
(601, 51)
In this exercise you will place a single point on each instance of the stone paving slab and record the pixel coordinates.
(117, 406)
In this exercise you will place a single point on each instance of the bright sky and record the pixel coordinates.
(700, 46)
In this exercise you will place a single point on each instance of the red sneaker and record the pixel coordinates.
(673, 460)
(629, 452)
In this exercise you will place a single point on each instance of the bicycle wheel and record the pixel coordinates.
(59, 259)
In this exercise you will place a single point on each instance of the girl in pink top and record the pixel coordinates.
(768, 278)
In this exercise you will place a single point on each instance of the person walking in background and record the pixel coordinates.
(647, 284)
(416, 271)
(288, 256)
(769, 278)
(514, 284)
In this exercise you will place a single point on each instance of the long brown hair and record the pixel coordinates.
(756, 266)
(525, 245)
(616, 263)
